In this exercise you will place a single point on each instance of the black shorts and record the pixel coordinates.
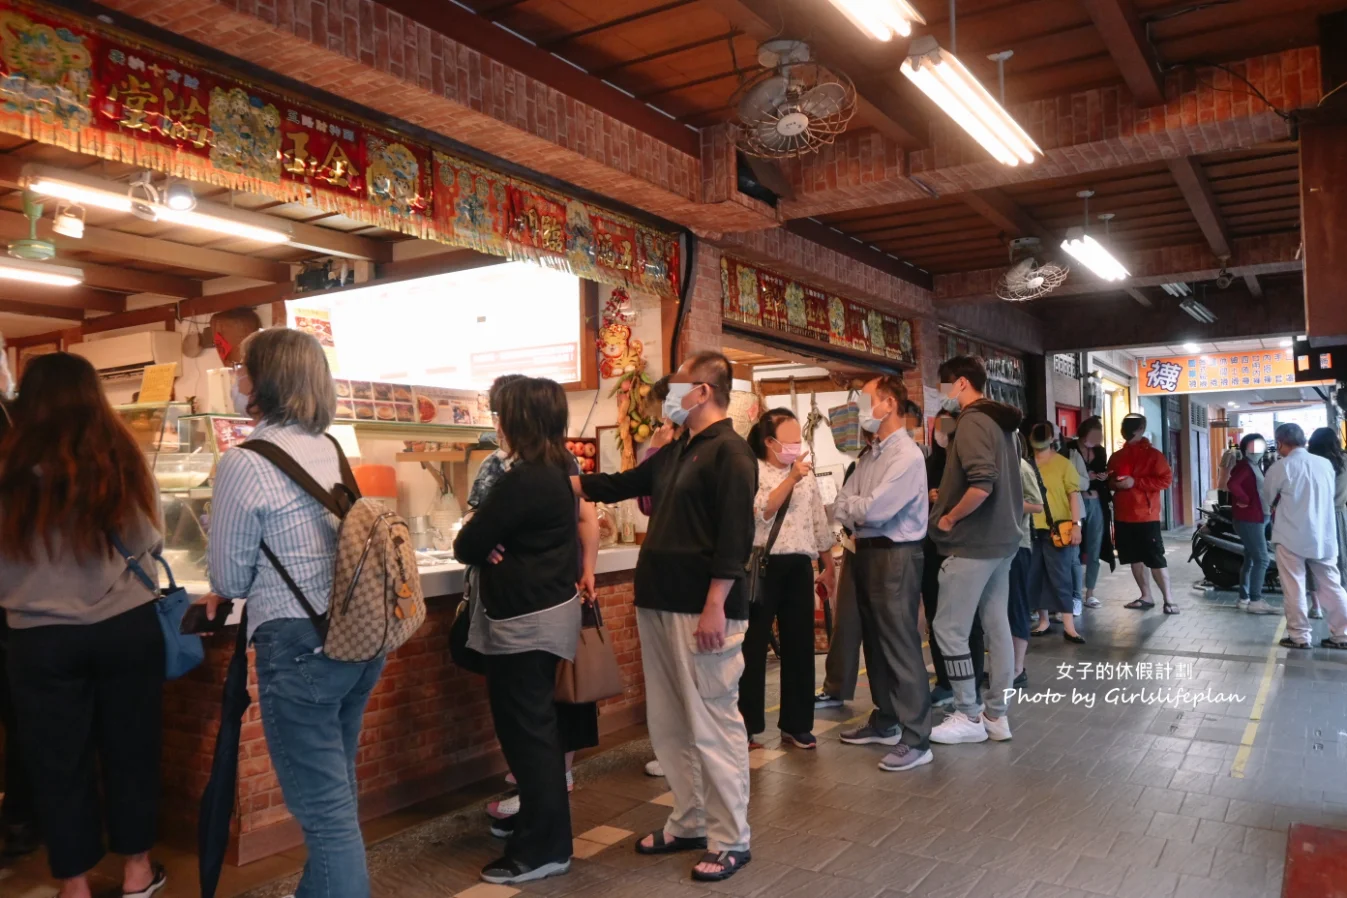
(1144, 543)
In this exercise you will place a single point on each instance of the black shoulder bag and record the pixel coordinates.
(757, 562)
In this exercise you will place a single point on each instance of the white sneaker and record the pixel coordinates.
(957, 728)
(998, 729)
(654, 768)
(1260, 607)
(1316, 612)
(1242, 604)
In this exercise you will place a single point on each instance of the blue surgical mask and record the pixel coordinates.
(673, 403)
(869, 423)
(241, 400)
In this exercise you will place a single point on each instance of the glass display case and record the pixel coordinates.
(182, 450)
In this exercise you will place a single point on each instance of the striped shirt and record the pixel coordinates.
(254, 501)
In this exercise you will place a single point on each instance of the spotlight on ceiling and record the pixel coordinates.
(1287, 343)
(69, 221)
(179, 196)
(1191, 347)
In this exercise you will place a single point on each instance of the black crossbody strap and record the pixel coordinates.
(1047, 510)
(776, 524)
(292, 469)
(319, 621)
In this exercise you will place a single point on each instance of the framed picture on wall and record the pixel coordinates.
(609, 450)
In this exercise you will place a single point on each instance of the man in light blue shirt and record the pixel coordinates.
(885, 505)
(1304, 530)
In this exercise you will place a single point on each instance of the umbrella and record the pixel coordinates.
(217, 801)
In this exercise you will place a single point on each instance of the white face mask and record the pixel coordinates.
(673, 403)
(1255, 452)
(869, 423)
(241, 400)
(941, 438)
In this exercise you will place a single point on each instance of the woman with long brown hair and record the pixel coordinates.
(86, 655)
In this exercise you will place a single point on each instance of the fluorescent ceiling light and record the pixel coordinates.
(1191, 347)
(881, 19)
(963, 98)
(113, 196)
(1287, 342)
(1175, 289)
(1198, 311)
(1088, 252)
(40, 273)
(1231, 404)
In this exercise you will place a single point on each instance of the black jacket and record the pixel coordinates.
(531, 514)
(703, 489)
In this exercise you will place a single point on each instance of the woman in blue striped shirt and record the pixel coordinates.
(311, 705)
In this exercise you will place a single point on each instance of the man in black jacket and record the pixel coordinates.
(692, 613)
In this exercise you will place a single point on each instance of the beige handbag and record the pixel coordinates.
(594, 674)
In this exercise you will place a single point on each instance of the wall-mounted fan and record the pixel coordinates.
(1027, 277)
(794, 105)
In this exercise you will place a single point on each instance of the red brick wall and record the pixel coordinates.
(427, 728)
(702, 324)
(1087, 131)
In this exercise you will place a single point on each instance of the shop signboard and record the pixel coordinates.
(772, 302)
(1217, 372)
(84, 86)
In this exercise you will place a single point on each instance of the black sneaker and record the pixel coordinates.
(799, 740)
(824, 700)
(508, 872)
(158, 882)
(1022, 680)
(502, 829)
(21, 839)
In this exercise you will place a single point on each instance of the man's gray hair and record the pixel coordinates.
(292, 383)
(1290, 435)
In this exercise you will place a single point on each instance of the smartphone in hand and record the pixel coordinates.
(194, 621)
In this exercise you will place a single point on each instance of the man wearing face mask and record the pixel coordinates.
(977, 517)
(884, 504)
(692, 614)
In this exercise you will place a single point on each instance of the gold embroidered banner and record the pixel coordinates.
(76, 84)
(764, 299)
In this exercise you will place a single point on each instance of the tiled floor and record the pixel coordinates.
(1119, 787)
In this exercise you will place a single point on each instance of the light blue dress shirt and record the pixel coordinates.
(1302, 486)
(252, 501)
(887, 493)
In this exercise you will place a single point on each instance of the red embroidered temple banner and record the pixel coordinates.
(764, 299)
(73, 83)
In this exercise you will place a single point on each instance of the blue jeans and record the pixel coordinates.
(311, 713)
(1251, 575)
(1091, 539)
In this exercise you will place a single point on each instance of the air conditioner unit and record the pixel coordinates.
(118, 357)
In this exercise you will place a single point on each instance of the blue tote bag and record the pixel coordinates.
(182, 652)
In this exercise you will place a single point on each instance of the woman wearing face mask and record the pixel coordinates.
(1086, 454)
(1050, 570)
(786, 488)
(1246, 488)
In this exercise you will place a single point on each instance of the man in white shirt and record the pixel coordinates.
(1301, 485)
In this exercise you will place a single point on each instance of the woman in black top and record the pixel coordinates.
(524, 537)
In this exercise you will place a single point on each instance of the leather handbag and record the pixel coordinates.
(756, 577)
(594, 675)
(182, 651)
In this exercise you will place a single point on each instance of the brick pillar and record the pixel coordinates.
(926, 344)
(1323, 215)
(701, 326)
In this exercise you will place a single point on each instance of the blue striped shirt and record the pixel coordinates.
(254, 501)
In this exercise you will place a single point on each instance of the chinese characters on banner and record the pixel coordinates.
(76, 84)
(764, 299)
(1215, 372)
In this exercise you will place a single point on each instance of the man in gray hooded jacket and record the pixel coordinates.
(976, 525)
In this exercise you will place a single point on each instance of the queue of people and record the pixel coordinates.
(995, 536)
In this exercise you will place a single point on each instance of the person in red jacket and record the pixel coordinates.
(1138, 473)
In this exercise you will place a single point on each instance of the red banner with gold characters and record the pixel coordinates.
(765, 299)
(77, 84)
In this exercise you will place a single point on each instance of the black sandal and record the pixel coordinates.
(1140, 605)
(730, 863)
(663, 843)
(1331, 643)
(1288, 643)
(1044, 632)
(1171, 608)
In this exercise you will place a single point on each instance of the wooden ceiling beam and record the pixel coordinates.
(82, 297)
(551, 43)
(861, 252)
(1255, 288)
(1128, 43)
(507, 48)
(330, 242)
(621, 64)
(878, 98)
(999, 209)
(1201, 200)
(1140, 297)
(38, 310)
(129, 280)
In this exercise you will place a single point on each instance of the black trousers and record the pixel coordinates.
(787, 599)
(930, 600)
(89, 701)
(522, 692)
(18, 807)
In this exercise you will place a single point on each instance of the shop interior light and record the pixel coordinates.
(39, 273)
(1175, 290)
(1191, 347)
(881, 19)
(179, 197)
(1287, 343)
(1197, 311)
(940, 75)
(69, 220)
(1088, 252)
(116, 197)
